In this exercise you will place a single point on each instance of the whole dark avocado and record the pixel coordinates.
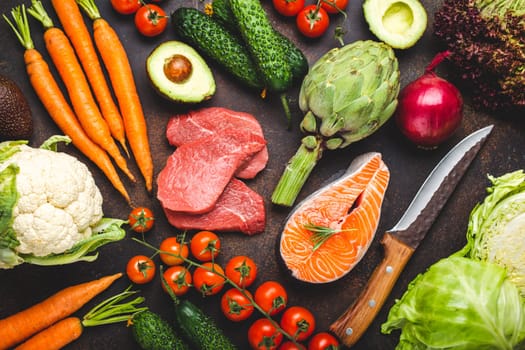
(16, 121)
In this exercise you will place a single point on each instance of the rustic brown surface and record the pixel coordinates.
(503, 152)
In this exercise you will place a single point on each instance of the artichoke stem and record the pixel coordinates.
(296, 173)
(286, 108)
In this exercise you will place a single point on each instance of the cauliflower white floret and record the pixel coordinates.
(58, 201)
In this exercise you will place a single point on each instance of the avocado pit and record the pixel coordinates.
(178, 68)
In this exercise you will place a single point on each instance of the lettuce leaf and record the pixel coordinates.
(459, 303)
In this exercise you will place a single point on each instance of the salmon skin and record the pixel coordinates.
(330, 231)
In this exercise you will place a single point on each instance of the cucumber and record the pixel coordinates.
(221, 11)
(217, 43)
(263, 43)
(151, 332)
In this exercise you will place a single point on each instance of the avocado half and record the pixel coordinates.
(179, 73)
(398, 23)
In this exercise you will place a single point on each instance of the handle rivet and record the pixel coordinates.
(372, 303)
(349, 331)
(389, 269)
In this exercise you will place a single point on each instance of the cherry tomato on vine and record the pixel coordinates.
(178, 279)
(288, 7)
(204, 245)
(334, 6)
(141, 219)
(175, 251)
(289, 345)
(312, 21)
(271, 297)
(323, 341)
(241, 270)
(298, 321)
(262, 335)
(126, 7)
(235, 305)
(140, 269)
(151, 20)
(208, 278)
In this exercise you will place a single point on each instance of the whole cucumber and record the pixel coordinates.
(151, 332)
(263, 43)
(217, 43)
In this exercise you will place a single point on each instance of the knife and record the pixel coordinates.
(401, 241)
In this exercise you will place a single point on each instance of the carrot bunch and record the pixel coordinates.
(93, 121)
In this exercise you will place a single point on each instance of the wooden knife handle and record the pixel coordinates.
(353, 323)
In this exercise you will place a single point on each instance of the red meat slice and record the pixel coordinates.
(193, 125)
(238, 209)
(197, 172)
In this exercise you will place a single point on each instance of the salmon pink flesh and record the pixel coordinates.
(329, 232)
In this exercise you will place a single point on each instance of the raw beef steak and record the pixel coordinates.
(197, 172)
(238, 209)
(193, 125)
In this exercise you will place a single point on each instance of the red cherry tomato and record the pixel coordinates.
(151, 20)
(178, 279)
(334, 6)
(262, 335)
(175, 251)
(323, 341)
(298, 322)
(271, 297)
(208, 278)
(241, 270)
(205, 245)
(140, 269)
(235, 305)
(312, 21)
(288, 7)
(126, 7)
(289, 345)
(141, 219)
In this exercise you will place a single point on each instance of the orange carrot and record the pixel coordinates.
(117, 64)
(56, 336)
(55, 103)
(20, 326)
(73, 23)
(82, 100)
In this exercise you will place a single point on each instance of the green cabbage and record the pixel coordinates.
(459, 303)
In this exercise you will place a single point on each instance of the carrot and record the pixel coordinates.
(71, 18)
(55, 103)
(20, 326)
(56, 336)
(82, 100)
(117, 64)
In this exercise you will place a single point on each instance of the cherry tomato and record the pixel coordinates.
(126, 7)
(289, 345)
(312, 21)
(288, 7)
(151, 20)
(334, 6)
(241, 270)
(141, 219)
(175, 251)
(298, 322)
(178, 279)
(206, 281)
(205, 245)
(323, 341)
(271, 297)
(262, 335)
(235, 305)
(140, 269)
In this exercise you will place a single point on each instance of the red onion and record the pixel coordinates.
(430, 108)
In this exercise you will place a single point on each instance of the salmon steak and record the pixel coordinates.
(330, 231)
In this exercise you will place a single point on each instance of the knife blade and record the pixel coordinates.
(401, 241)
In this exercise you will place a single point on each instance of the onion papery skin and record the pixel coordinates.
(430, 110)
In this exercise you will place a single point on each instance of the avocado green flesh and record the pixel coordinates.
(198, 87)
(399, 24)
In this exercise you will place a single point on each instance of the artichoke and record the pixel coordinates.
(346, 96)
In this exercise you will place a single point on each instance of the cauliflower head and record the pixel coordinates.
(55, 207)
